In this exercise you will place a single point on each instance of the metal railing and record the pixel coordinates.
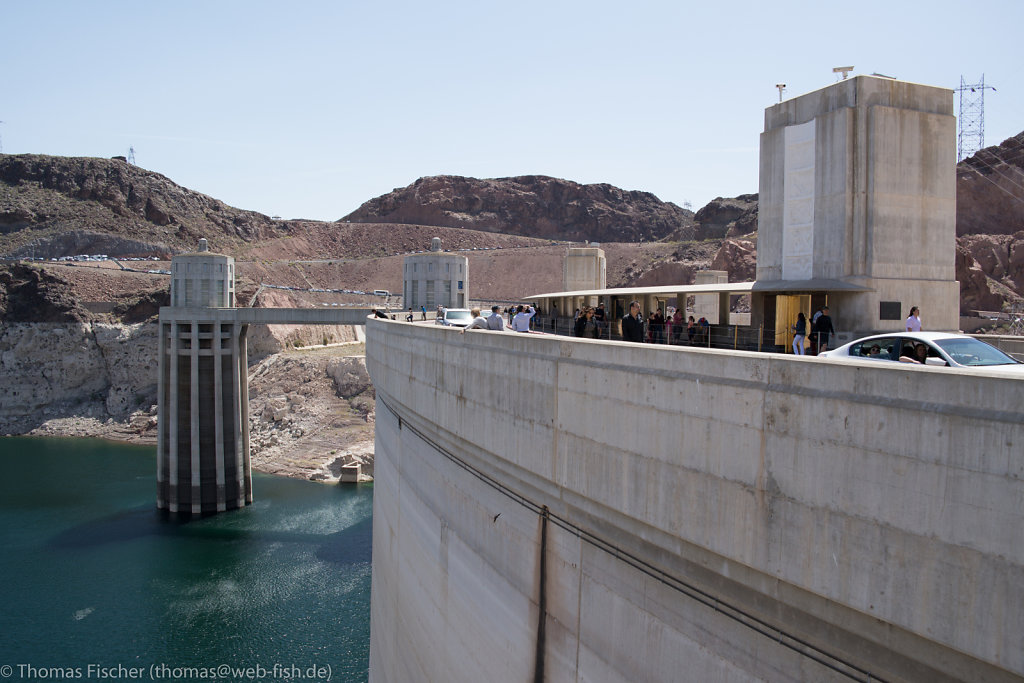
(736, 337)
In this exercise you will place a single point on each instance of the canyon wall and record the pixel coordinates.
(87, 369)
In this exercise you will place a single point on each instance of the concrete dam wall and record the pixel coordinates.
(557, 509)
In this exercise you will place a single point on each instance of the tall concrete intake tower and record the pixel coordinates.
(202, 461)
(203, 436)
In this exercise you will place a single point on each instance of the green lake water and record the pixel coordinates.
(94, 580)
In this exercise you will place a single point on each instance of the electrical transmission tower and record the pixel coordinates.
(131, 156)
(971, 136)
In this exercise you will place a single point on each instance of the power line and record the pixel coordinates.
(1010, 160)
(996, 171)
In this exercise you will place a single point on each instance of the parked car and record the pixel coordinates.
(941, 349)
(455, 317)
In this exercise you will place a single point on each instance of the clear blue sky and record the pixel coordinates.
(307, 109)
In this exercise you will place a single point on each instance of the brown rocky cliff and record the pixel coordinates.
(534, 206)
(739, 258)
(727, 217)
(978, 291)
(990, 190)
(53, 206)
(29, 294)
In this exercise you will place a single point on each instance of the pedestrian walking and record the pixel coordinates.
(914, 320)
(799, 333)
(823, 331)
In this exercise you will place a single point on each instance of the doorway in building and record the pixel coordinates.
(786, 309)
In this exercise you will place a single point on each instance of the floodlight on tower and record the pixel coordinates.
(782, 89)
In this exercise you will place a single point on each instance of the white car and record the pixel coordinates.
(455, 317)
(940, 349)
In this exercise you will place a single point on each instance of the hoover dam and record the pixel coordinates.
(548, 508)
(563, 509)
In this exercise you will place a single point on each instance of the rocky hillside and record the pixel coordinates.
(52, 206)
(534, 206)
(55, 206)
(990, 190)
(727, 217)
(990, 226)
(29, 293)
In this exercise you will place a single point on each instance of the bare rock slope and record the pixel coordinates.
(51, 206)
(990, 190)
(534, 206)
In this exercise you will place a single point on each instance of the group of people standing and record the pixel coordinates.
(821, 332)
(590, 324)
(519, 321)
(659, 330)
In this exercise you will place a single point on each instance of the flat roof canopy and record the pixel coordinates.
(812, 285)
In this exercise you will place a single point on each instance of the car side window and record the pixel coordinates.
(908, 349)
(934, 353)
(874, 349)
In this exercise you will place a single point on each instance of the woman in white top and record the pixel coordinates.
(914, 320)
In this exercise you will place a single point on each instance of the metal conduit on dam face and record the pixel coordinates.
(711, 514)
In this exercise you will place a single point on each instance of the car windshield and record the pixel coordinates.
(973, 352)
(459, 315)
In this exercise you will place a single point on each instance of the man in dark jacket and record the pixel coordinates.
(822, 330)
(600, 318)
(632, 324)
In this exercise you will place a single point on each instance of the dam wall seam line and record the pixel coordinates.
(724, 608)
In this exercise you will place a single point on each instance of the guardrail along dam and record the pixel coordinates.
(557, 509)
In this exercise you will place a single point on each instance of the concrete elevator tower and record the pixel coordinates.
(584, 268)
(857, 207)
(203, 436)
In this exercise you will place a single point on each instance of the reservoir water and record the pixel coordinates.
(94, 581)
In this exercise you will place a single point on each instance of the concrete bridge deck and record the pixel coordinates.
(267, 316)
